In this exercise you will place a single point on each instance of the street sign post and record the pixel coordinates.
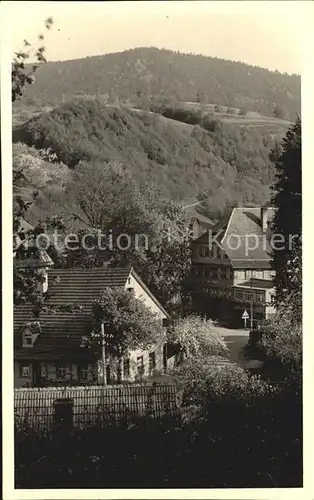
(245, 316)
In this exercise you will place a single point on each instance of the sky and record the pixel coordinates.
(266, 34)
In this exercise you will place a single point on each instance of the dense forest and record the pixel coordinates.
(144, 73)
(214, 160)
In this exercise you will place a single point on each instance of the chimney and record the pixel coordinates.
(264, 219)
(195, 228)
(44, 284)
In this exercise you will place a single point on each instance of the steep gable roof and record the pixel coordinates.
(233, 233)
(62, 331)
(244, 240)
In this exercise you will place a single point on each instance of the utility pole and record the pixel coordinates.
(103, 354)
(251, 319)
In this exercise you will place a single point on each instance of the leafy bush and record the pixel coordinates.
(236, 446)
(196, 336)
(204, 383)
(281, 344)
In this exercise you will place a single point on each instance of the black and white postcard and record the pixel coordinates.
(153, 258)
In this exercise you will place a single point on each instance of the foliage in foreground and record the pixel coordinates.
(281, 345)
(22, 75)
(223, 414)
(169, 453)
(205, 382)
(281, 340)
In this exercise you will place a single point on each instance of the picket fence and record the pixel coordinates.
(94, 405)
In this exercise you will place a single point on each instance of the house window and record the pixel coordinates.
(44, 370)
(240, 275)
(25, 371)
(248, 274)
(259, 297)
(61, 371)
(140, 365)
(83, 371)
(152, 362)
(248, 296)
(223, 272)
(214, 273)
(126, 367)
(204, 252)
(27, 339)
(239, 295)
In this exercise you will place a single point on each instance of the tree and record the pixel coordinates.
(203, 386)
(242, 112)
(27, 279)
(22, 75)
(128, 325)
(106, 198)
(196, 338)
(278, 112)
(281, 342)
(218, 108)
(287, 197)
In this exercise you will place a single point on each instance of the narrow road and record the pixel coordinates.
(236, 340)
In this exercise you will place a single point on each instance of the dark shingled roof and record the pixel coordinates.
(241, 231)
(62, 331)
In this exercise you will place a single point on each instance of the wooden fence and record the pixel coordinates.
(39, 408)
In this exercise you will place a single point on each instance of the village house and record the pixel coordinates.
(198, 222)
(48, 349)
(231, 267)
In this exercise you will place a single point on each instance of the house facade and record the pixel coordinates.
(49, 350)
(231, 267)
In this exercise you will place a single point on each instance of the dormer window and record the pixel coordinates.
(30, 333)
(27, 339)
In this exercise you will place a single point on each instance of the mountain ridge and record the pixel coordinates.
(146, 73)
(153, 47)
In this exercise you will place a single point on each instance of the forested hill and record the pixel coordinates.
(143, 73)
(222, 163)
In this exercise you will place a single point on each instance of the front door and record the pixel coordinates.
(36, 374)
